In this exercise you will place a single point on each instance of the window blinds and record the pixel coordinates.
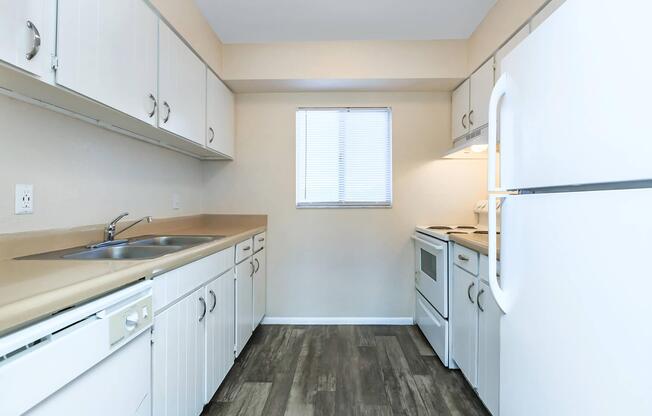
(344, 157)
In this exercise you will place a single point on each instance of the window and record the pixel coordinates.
(344, 157)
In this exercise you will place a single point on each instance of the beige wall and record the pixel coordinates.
(346, 60)
(343, 262)
(500, 23)
(83, 174)
(187, 19)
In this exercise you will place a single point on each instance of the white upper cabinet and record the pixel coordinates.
(482, 83)
(108, 51)
(513, 42)
(220, 117)
(460, 110)
(182, 88)
(27, 35)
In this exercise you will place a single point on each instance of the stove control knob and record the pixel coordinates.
(131, 322)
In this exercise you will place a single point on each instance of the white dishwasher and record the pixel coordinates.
(94, 359)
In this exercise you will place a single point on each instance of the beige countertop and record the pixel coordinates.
(33, 289)
(477, 242)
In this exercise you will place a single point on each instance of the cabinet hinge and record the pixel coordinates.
(55, 62)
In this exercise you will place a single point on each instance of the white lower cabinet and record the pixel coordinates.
(488, 349)
(178, 357)
(244, 272)
(475, 323)
(465, 323)
(260, 286)
(220, 331)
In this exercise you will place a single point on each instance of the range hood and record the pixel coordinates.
(470, 146)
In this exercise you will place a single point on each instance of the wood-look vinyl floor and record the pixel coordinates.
(341, 371)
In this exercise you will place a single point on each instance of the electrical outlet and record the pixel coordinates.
(176, 201)
(24, 199)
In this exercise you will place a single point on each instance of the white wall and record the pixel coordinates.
(83, 174)
(347, 262)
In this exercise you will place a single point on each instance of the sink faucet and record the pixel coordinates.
(109, 230)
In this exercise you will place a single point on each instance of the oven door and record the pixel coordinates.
(432, 271)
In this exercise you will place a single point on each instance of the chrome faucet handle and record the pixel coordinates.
(109, 230)
(147, 218)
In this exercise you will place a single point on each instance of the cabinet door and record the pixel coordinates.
(27, 35)
(509, 46)
(108, 51)
(220, 331)
(182, 88)
(220, 116)
(465, 322)
(178, 357)
(488, 349)
(460, 110)
(482, 83)
(243, 303)
(260, 287)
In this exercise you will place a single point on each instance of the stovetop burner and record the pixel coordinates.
(440, 227)
(467, 227)
(484, 232)
(456, 232)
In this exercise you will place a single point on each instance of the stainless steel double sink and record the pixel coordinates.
(139, 248)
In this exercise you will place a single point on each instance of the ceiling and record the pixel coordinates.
(262, 21)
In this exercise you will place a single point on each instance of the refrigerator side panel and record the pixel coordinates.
(576, 110)
(576, 337)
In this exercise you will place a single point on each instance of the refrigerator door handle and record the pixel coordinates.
(499, 91)
(496, 291)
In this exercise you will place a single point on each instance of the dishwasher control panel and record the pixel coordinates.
(130, 320)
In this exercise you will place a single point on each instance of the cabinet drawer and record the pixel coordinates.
(484, 269)
(466, 258)
(177, 283)
(243, 250)
(433, 326)
(259, 241)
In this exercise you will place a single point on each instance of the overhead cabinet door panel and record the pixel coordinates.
(182, 88)
(460, 110)
(108, 51)
(220, 122)
(27, 34)
(482, 83)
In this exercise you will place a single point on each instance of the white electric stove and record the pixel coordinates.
(433, 274)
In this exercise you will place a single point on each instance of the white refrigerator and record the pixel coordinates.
(573, 113)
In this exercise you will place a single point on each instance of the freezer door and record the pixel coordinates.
(577, 94)
(576, 336)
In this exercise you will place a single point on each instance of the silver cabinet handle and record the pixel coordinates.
(477, 299)
(212, 135)
(167, 115)
(203, 314)
(463, 123)
(261, 239)
(468, 292)
(253, 269)
(246, 248)
(471, 117)
(36, 40)
(151, 113)
(462, 257)
(257, 265)
(214, 300)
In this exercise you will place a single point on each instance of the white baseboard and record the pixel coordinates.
(278, 320)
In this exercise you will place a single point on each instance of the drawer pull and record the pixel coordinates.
(468, 292)
(261, 239)
(462, 257)
(246, 248)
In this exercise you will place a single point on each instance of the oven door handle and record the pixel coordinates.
(427, 243)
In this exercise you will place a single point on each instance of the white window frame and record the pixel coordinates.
(347, 204)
